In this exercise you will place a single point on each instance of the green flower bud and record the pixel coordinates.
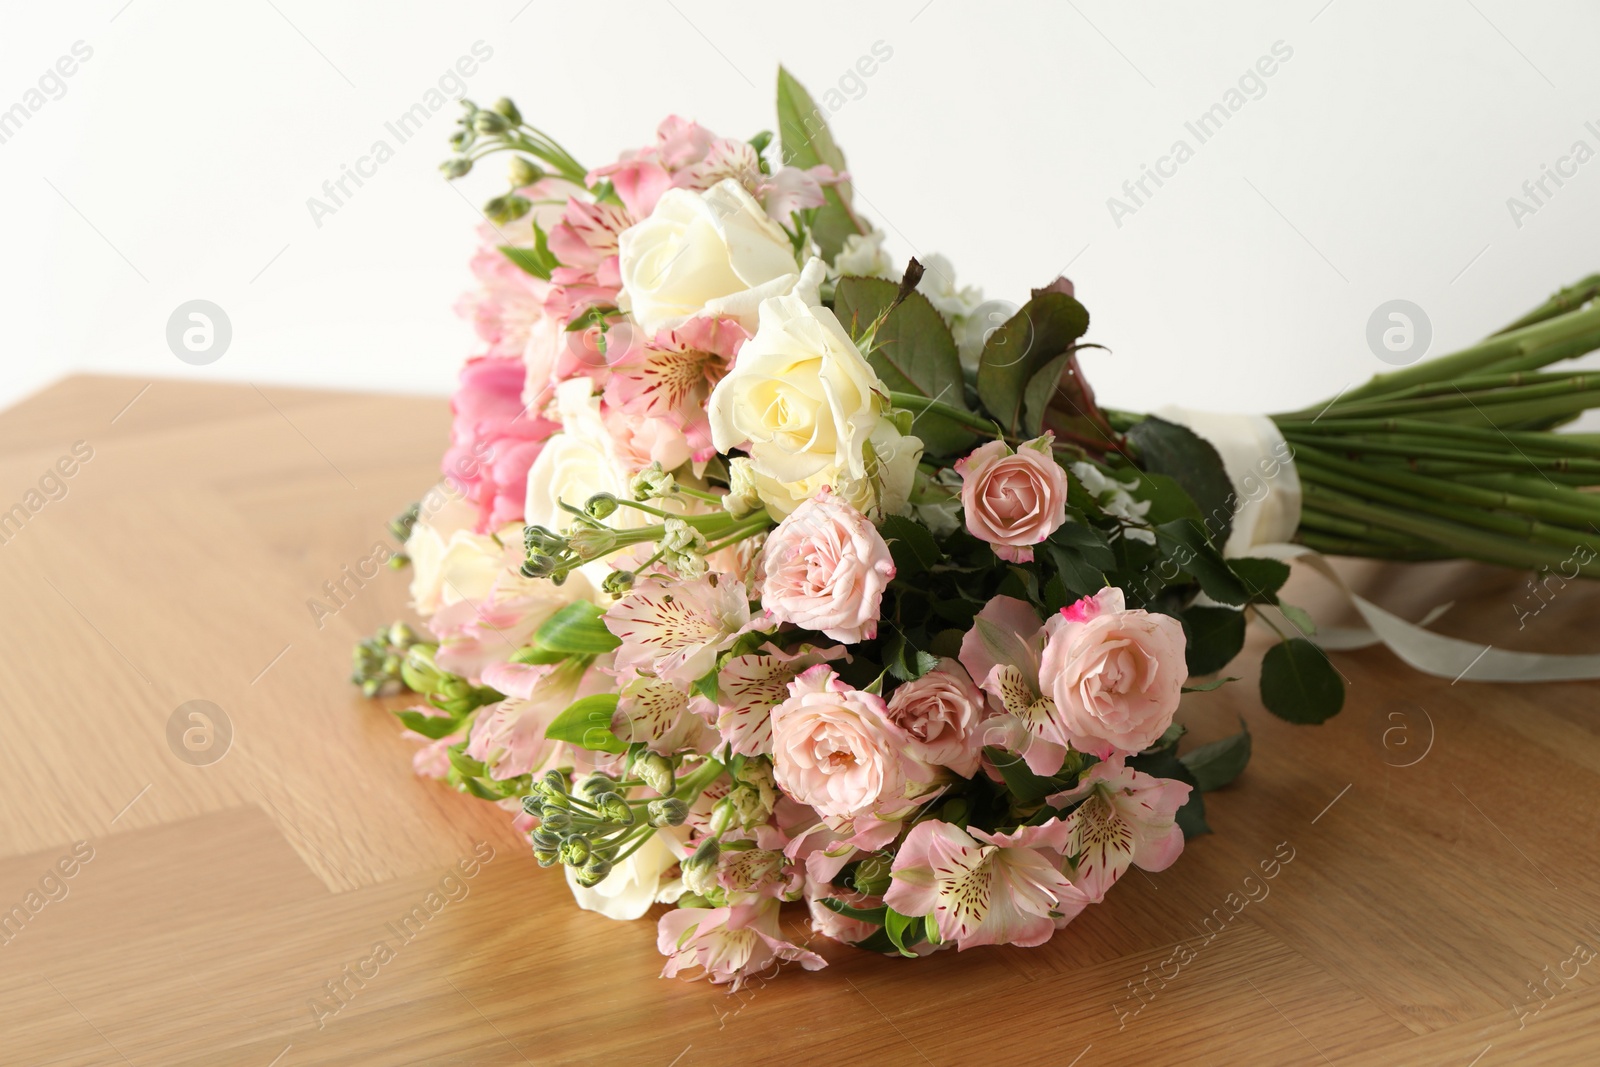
(546, 857)
(553, 783)
(613, 808)
(506, 108)
(706, 856)
(617, 583)
(597, 785)
(576, 851)
(668, 812)
(533, 804)
(594, 872)
(955, 811)
(655, 771)
(555, 819)
(456, 166)
(523, 172)
(489, 122)
(590, 543)
(545, 839)
(600, 506)
(722, 817)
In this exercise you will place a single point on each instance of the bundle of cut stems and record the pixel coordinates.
(1456, 457)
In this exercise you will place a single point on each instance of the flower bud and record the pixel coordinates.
(704, 857)
(508, 110)
(545, 839)
(594, 872)
(872, 875)
(590, 543)
(670, 811)
(546, 857)
(600, 506)
(652, 482)
(555, 819)
(613, 808)
(597, 785)
(742, 497)
(533, 804)
(576, 851)
(655, 771)
(617, 583)
(456, 166)
(490, 122)
(553, 783)
(523, 172)
(722, 816)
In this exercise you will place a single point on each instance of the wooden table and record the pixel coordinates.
(1437, 872)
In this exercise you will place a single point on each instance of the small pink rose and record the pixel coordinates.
(1114, 673)
(825, 568)
(1013, 500)
(940, 712)
(834, 748)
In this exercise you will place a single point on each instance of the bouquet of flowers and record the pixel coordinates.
(766, 570)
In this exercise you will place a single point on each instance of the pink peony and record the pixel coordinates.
(940, 712)
(1013, 500)
(825, 568)
(834, 748)
(493, 440)
(983, 888)
(1115, 674)
(729, 944)
(1126, 818)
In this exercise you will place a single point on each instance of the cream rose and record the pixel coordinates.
(713, 253)
(825, 568)
(635, 883)
(1115, 674)
(834, 748)
(449, 562)
(808, 408)
(1013, 500)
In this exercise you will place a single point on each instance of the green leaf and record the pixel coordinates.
(913, 352)
(538, 261)
(1039, 391)
(877, 941)
(1044, 328)
(866, 915)
(1299, 684)
(1185, 545)
(1027, 787)
(805, 141)
(1218, 763)
(904, 930)
(1177, 451)
(1215, 636)
(577, 629)
(587, 724)
(911, 544)
(1208, 687)
(1298, 618)
(1262, 577)
(433, 726)
(1168, 499)
(930, 928)
(464, 763)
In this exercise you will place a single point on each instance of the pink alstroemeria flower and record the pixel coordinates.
(1126, 818)
(729, 944)
(676, 629)
(1001, 652)
(983, 888)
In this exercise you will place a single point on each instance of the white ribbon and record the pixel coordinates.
(1267, 493)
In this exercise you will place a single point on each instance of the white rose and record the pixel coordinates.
(633, 884)
(807, 407)
(449, 562)
(710, 253)
(863, 256)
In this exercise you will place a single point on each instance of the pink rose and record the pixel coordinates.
(493, 440)
(1114, 674)
(825, 568)
(940, 712)
(834, 748)
(1013, 500)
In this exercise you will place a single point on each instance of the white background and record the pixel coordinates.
(1377, 165)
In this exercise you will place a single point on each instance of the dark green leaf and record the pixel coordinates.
(1177, 451)
(577, 629)
(805, 141)
(867, 915)
(1186, 546)
(587, 724)
(1168, 499)
(1299, 684)
(1218, 763)
(1027, 787)
(878, 941)
(1036, 395)
(911, 544)
(1215, 636)
(1262, 577)
(913, 352)
(1036, 335)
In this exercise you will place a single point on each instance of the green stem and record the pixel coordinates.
(922, 404)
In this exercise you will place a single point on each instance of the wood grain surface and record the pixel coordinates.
(1433, 850)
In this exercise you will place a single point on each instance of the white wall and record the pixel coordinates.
(1377, 164)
